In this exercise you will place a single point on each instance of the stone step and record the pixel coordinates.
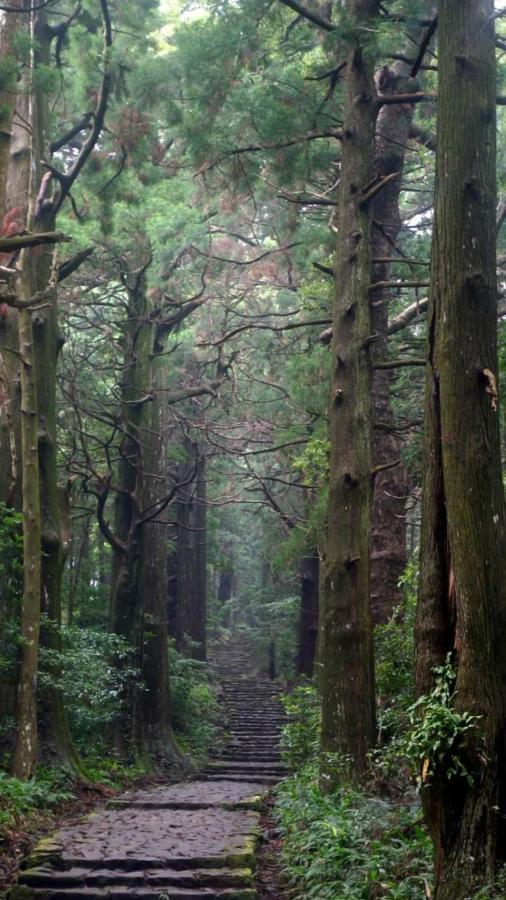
(252, 756)
(243, 778)
(100, 877)
(127, 893)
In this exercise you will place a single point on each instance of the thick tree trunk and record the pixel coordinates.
(308, 620)
(347, 674)
(139, 613)
(462, 604)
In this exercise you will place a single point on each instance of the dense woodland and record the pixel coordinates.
(252, 259)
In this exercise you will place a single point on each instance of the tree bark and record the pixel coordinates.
(25, 754)
(462, 602)
(191, 631)
(308, 620)
(347, 675)
(57, 742)
(389, 558)
(140, 545)
(154, 718)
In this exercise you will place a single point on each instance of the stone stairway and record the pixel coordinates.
(187, 841)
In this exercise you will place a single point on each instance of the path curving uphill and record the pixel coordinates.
(192, 840)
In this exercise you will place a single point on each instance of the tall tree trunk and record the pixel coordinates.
(10, 23)
(140, 542)
(391, 486)
(347, 675)
(154, 719)
(308, 620)
(127, 593)
(462, 604)
(14, 156)
(25, 754)
(192, 558)
(58, 744)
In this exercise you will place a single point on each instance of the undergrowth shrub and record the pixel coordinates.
(194, 705)
(301, 735)
(94, 673)
(18, 798)
(11, 588)
(350, 845)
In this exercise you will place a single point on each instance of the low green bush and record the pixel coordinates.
(350, 845)
(301, 735)
(94, 671)
(194, 705)
(18, 799)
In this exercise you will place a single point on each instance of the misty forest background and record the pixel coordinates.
(220, 248)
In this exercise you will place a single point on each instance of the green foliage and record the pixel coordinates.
(11, 588)
(301, 735)
(440, 735)
(11, 554)
(94, 672)
(19, 798)
(194, 705)
(394, 658)
(314, 462)
(350, 845)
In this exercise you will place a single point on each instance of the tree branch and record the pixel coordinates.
(19, 241)
(309, 15)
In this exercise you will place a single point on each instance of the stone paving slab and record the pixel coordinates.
(195, 795)
(119, 835)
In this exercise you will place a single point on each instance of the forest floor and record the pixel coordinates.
(195, 839)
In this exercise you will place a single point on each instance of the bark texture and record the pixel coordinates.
(346, 652)
(462, 602)
(308, 620)
(191, 602)
(391, 486)
(138, 610)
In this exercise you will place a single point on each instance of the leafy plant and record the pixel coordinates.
(194, 705)
(18, 798)
(350, 844)
(300, 738)
(440, 734)
(94, 671)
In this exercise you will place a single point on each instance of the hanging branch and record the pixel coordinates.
(423, 47)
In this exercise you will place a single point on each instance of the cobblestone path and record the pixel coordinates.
(192, 840)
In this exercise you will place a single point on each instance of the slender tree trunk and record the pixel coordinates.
(127, 592)
(9, 25)
(14, 160)
(391, 487)
(154, 716)
(347, 676)
(462, 604)
(25, 754)
(308, 621)
(191, 552)
(57, 741)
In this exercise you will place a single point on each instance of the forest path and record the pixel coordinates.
(192, 840)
